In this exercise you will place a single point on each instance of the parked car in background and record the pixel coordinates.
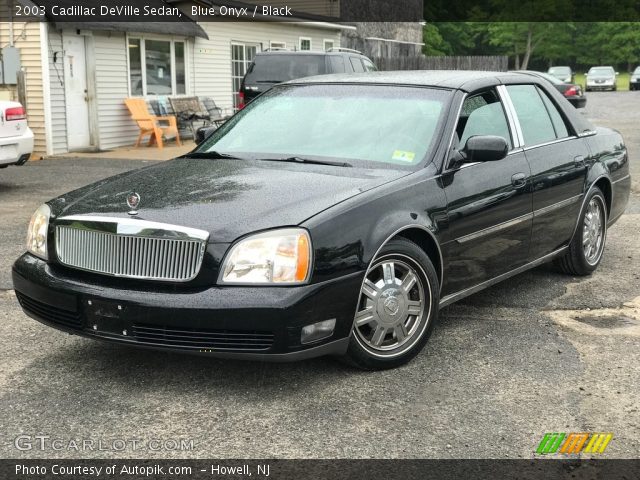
(16, 138)
(570, 91)
(634, 79)
(601, 78)
(335, 215)
(564, 74)
(276, 66)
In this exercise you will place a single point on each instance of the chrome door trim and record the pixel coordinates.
(621, 179)
(454, 297)
(555, 206)
(494, 228)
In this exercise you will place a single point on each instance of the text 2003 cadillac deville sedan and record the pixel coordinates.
(333, 215)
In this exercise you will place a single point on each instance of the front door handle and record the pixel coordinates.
(519, 180)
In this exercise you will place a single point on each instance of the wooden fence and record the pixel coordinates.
(491, 63)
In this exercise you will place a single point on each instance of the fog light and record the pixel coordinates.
(317, 331)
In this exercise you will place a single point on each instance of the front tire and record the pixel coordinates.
(397, 308)
(587, 246)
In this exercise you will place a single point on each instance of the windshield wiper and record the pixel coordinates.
(306, 160)
(211, 155)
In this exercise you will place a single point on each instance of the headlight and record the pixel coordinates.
(37, 233)
(275, 257)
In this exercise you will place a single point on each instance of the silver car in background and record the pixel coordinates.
(601, 78)
(564, 74)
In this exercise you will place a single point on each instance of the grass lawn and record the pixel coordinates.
(622, 81)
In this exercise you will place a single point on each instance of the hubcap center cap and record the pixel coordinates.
(392, 306)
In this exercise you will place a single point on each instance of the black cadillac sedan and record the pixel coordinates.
(334, 215)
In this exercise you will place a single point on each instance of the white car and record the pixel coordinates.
(601, 78)
(16, 138)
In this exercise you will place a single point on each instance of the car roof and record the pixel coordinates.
(465, 80)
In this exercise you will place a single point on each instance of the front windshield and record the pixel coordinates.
(601, 71)
(375, 125)
(637, 71)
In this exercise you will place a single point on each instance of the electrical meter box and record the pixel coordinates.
(9, 65)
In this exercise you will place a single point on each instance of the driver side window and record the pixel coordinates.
(482, 114)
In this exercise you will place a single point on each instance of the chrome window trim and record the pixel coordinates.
(494, 228)
(512, 117)
(551, 142)
(132, 227)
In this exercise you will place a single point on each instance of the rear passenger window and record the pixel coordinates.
(356, 64)
(558, 123)
(534, 118)
(337, 64)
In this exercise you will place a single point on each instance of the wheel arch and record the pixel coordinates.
(425, 239)
(603, 182)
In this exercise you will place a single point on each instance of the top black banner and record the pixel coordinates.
(347, 11)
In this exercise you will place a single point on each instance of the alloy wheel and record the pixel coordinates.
(393, 308)
(593, 231)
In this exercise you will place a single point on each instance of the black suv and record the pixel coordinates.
(276, 66)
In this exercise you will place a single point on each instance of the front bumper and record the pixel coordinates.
(254, 323)
(601, 86)
(16, 150)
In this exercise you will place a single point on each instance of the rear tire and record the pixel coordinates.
(587, 246)
(397, 308)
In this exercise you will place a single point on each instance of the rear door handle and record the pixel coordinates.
(519, 180)
(579, 161)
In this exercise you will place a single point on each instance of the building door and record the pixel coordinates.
(76, 93)
(242, 55)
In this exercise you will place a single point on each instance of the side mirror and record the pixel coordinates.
(617, 73)
(203, 133)
(485, 148)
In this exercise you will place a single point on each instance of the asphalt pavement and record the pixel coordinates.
(542, 352)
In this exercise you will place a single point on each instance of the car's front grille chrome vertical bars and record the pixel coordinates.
(130, 248)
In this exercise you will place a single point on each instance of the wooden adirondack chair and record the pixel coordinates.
(151, 124)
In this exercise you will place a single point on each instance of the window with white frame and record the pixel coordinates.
(242, 55)
(328, 44)
(157, 67)
(276, 45)
(305, 43)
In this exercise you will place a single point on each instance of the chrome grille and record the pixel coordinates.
(132, 256)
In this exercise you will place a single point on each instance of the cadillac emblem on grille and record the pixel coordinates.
(133, 200)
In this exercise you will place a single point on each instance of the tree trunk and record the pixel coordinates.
(527, 51)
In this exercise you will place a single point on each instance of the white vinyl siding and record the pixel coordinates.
(115, 127)
(56, 88)
(27, 40)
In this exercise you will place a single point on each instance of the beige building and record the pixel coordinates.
(78, 75)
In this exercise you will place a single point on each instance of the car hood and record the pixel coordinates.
(228, 198)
